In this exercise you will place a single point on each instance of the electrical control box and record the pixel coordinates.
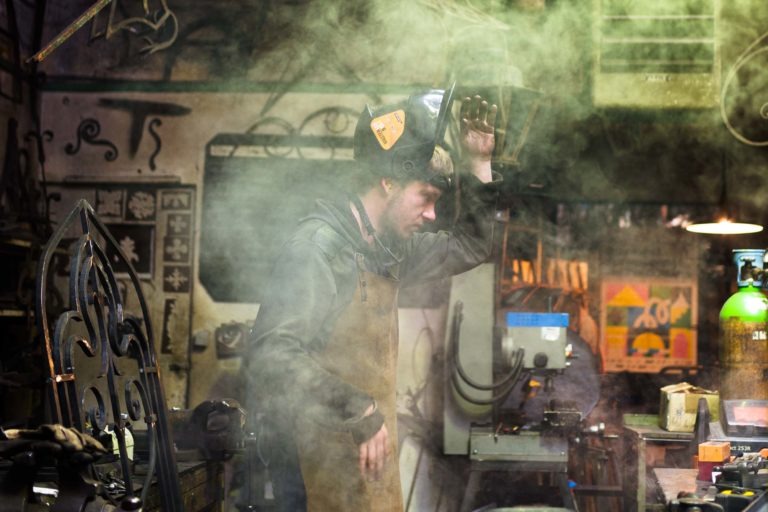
(542, 336)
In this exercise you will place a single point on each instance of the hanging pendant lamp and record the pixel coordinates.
(724, 221)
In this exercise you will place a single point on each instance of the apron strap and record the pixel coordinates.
(369, 228)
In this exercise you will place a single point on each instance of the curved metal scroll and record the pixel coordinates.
(102, 364)
(752, 51)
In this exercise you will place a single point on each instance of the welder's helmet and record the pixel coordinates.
(398, 140)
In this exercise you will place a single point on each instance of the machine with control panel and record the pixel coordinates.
(519, 384)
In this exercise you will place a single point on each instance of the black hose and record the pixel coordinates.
(494, 399)
(456, 360)
(458, 375)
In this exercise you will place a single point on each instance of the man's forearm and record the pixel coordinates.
(481, 169)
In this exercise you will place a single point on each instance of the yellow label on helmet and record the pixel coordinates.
(388, 128)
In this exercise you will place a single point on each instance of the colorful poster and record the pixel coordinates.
(647, 324)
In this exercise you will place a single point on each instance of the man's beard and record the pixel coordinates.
(389, 223)
(388, 238)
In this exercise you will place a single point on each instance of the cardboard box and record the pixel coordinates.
(679, 403)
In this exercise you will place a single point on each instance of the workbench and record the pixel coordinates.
(673, 481)
(648, 446)
(202, 488)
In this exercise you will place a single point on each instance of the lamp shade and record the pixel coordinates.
(724, 223)
(724, 227)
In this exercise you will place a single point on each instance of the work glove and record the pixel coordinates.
(53, 440)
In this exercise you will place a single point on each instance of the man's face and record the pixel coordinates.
(410, 206)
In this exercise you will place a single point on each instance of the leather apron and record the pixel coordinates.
(363, 352)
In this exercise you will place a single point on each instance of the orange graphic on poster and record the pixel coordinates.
(647, 324)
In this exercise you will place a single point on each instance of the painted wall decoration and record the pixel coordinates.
(133, 116)
(88, 132)
(648, 323)
(136, 242)
(109, 203)
(130, 214)
(141, 205)
(169, 323)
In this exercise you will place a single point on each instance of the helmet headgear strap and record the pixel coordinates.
(369, 227)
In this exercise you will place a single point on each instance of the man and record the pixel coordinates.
(323, 352)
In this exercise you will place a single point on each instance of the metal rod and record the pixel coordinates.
(67, 32)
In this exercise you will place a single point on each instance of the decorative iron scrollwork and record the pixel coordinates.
(335, 122)
(327, 124)
(103, 371)
(158, 143)
(88, 131)
(750, 53)
(159, 27)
